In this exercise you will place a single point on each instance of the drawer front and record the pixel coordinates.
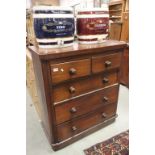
(72, 128)
(69, 70)
(103, 63)
(85, 104)
(72, 89)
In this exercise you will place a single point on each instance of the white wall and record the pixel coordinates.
(69, 2)
(83, 3)
(28, 4)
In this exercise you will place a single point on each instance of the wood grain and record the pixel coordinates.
(125, 68)
(31, 82)
(78, 49)
(62, 92)
(63, 71)
(115, 30)
(99, 63)
(66, 130)
(83, 105)
(125, 27)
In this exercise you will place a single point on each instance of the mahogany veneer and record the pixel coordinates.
(78, 89)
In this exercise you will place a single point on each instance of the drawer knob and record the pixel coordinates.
(73, 110)
(104, 115)
(108, 63)
(74, 128)
(105, 80)
(72, 71)
(72, 89)
(105, 99)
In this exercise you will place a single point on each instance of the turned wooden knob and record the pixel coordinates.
(108, 63)
(72, 71)
(105, 99)
(104, 115)
(73, 110)
(74, 128)
(105, 80)
(72, 89)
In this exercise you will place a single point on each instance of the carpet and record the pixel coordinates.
(117, 145)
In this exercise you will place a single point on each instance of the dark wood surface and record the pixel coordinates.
(78, 49)
(115, 30)
(125, 27)
(42, 89)
(83, 105)
(125, 68)
(103, 63)
(70, 70)
(74, 127)
(83, 87)
(63, 91)
(62, 144)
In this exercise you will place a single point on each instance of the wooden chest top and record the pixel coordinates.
(77, 49)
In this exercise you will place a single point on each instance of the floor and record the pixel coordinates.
(37, 143)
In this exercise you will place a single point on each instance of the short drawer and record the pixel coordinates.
(85, 104)
(72, 128)
(103, 63)
(72, 89)
(69, 70)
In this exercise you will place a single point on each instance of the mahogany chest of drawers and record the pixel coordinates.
(78, 89)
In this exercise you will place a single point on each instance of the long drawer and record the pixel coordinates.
(104, 63)
(72, 128)
(72, 89)
(85, 104)
(70, 70)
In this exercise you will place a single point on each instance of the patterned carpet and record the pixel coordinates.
(117, 145)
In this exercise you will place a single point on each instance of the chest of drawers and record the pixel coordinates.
(78, 89)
